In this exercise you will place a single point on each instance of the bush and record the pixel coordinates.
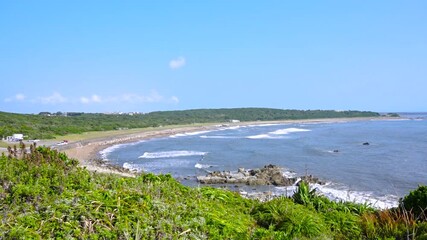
(416, 202)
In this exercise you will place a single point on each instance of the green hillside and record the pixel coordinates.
(45, 127)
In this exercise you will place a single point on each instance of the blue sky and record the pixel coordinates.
(104, 56)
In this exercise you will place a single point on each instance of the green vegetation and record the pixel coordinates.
(392, 115)
(47, 127)
(416, 202)
(45, 195)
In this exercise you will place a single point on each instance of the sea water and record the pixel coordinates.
(374, 161)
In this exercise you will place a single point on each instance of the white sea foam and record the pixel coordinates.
(288, 130)
(337, 194)
(277, 134)
(346, 195)
(232, 128)
(105, 152)
(197, 133)
(261, 136)
(133, 167)
(190, 134)
(289, 174)
(171, 154)
(218, 137)
(178, 135)
(202, 166)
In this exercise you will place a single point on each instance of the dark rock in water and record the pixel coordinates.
(365, 143)
(336, 150)
(268, 175)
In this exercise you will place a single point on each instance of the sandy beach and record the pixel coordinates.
(87, 151)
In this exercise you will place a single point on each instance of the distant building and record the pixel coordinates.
(234, 121)
(15, 137)
(45, 113)
(49, 114)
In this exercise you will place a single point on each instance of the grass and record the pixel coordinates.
(4, 144)
(46, 195)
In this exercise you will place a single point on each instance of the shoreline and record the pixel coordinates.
(87, 151)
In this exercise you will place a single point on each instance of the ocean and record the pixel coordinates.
(373, 161)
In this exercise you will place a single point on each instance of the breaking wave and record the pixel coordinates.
(133, 167)
(104, 153)
(218, 137)
(278, 133)
(190, 134)
(338, 194)
(289, 130)
(363, 197)
(171, 154)
(202, 166)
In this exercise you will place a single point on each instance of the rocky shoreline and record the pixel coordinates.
(268, 175)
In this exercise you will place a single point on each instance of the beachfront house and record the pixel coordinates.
(234, 121)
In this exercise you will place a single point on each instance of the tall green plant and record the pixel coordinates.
(304, 195)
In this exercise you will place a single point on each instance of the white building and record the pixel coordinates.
(15, 137)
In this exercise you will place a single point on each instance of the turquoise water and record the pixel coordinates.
(394, 162)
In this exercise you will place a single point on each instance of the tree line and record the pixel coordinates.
(48, 126)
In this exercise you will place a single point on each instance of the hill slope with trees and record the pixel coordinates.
(48, 126)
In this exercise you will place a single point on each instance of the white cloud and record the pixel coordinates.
(93, 99)
(96, 98)
(153, 97)
(52, 99)
(135, 98)
(18, 97)
(84, 100)
(128, 98)
(174, 99)
(177, 63)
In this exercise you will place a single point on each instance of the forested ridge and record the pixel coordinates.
(45, 127)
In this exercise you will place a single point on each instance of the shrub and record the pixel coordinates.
(416, 202)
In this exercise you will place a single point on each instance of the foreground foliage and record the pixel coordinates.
(44, 194)
(45, 127)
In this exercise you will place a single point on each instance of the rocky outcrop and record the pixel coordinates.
(268, 175)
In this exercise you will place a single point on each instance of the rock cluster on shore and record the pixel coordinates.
(268, 175)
